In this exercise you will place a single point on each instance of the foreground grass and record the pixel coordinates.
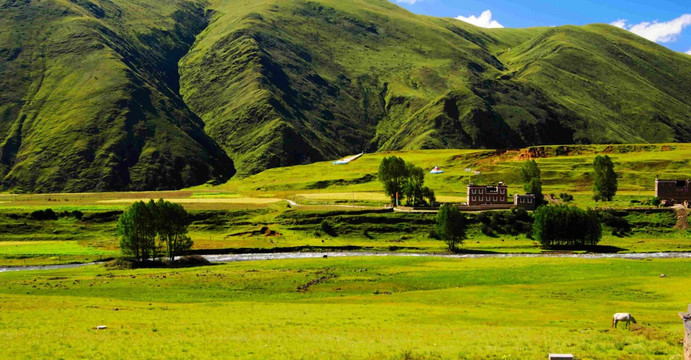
(361, 308)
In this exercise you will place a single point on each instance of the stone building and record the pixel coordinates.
(486, 194)
(673, 191)
(525, 202)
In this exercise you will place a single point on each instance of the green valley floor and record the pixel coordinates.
(349, 308)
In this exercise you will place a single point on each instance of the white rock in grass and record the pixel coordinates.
(101, 327)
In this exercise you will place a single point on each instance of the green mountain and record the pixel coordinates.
(89, 97)
(125, 94)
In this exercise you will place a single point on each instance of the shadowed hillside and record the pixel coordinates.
(90, 97)
(112, 95)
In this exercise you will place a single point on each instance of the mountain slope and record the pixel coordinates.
(124, 94)
(90, 102)
(286, 82)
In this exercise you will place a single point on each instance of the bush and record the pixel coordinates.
(47, 214)
(619, 225)
(655, 201)
(566, 197)
(327, 227)
(517, 221)
(566, 226)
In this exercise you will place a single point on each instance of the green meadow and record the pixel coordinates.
(229, 218)
(349, 308)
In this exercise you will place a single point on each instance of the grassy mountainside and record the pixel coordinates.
(90, 97)
(285, 82)
(127, 95)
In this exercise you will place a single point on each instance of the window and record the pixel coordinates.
(530, 200)
(501, 191)
(495, 198)
(472, 198)
(482, 191)
(522, 200)
(472, 192)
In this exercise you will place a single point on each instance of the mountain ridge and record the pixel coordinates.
(139, 95)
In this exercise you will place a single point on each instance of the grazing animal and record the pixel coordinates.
(622, 317)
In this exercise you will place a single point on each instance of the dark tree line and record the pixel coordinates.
(569, 226)
(154, 229)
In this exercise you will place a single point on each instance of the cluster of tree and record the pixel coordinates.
(405, 180)
(150, 230)
(605, 184)
(450, 226)
(564, 225)
(49, 214)
(514, 222)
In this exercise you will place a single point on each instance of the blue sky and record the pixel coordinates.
(665, 22)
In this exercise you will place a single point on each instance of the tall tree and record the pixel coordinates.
(606, 184)
(171, 226)
(414, 189)
(137, 230)
(451, 226)
(393, 173)
(532, 182)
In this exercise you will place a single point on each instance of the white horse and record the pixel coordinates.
(622, 317)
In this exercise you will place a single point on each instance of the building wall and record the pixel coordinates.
(526, 202)
(481, 195)
(676, 191)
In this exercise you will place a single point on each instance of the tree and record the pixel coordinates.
(414, 189)
(451, 226)
(566, 226)
(142, 223)
(171, 225)
(605, 186)
(137, 230)
(532, 182)
(393, 173)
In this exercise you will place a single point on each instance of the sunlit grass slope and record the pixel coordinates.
(564, 169)
(288, 82)
(119, 95)
(358, 308)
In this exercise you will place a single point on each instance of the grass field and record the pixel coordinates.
(229, 216)
(565, 169)
(349, 308)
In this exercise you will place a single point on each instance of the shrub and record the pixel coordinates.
(47, 214)
(566, 197)
(566, 226)
(619, 225)
(327, 227)
(655, 201)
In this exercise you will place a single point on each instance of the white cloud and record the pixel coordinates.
(664, 32)
(621, 23)
(409, 2)
(688, 52)
(484, 20)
